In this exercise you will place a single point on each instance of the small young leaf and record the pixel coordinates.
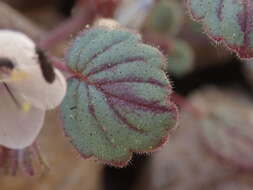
(180, 58)
(228, 21)
(165, 17)
(118, 99)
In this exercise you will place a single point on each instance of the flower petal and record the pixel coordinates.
(27, 80)
(35, 90)
(16, 46)
(18, 129)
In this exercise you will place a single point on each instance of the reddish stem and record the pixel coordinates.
(14, 162)
(66, 29)
(59, 64)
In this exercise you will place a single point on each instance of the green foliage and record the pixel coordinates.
(228, 134)
(165, 17)
(118, 101)
(227, 21)
(180, 58)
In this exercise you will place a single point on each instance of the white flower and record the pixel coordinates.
(28, 87)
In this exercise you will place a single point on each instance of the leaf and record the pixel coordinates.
(180, 58)
(227, 128)
(118, 101)
(229, 135)
(227, 21)
(165, 17)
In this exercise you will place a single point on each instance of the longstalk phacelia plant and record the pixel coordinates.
(117, 100)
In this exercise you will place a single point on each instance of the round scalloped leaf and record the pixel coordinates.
(165, 17)
(228, 21)
(228, 133)
(118, 101)
(180, 58)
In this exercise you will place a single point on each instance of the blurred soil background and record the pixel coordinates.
(216, 92)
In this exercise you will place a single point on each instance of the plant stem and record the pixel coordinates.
(59, 64)
(66, 29)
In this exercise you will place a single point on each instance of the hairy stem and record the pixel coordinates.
(66, 29)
